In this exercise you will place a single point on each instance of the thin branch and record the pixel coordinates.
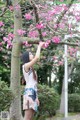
(68, 43)
(49, 27)
(37, 19)
(61, 43)
(3, 12)
(5, 8)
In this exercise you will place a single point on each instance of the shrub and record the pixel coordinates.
(49, 102)
(6, 96)
(74, 102)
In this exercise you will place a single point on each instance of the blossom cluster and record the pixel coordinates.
(8, 40)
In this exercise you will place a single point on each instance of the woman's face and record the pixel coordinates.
(31, 56)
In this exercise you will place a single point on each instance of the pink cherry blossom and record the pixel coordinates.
(28, 16)
(55, 26)
(27, 44)
(5, 39)
(11, 8)
(58, 9)
(61, 0)
(48, 18)
(56, 39)
(71, 34)
(72, 51)
(48, 41)
(70, 26)
(33, 34)
(12, 26)
(17, 7)
(60, 62)
(10, 36)
(1, 48)
(1, 24)
(64, 7)
(43, 14)
(21, 32)
(55, 58)
(51, 12)
(46, 44)
(77, 18)
(0, 43)
(39, 26)
(62, 25)
(9, 44)
(44, 34)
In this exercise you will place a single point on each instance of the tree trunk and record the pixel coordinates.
(15, 109)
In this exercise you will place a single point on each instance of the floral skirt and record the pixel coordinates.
(29, 99)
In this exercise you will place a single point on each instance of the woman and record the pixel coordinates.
(30, 97)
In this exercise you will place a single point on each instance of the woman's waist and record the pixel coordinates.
(29, 88)
(30, 91)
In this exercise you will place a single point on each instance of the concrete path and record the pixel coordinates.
(74, 117)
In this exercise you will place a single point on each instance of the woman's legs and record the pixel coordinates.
(29, 114)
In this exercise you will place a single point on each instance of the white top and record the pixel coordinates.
(30, 81)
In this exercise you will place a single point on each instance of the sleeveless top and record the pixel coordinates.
(30, 81)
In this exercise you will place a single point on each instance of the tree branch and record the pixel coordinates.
(62, 15)
(5, 8)
(3, 12)
(36, 41)
(37, 19)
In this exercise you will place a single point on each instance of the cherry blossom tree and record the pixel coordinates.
(50, 23)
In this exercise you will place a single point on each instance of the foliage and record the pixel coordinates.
(74, 78)
(6, 96)
(59, 77)
(5, 53)
(74, 102)
(74, 83)
(49, 102)
(5, 66)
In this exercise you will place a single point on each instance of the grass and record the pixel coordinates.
(58, 115)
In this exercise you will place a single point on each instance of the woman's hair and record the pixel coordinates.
(25, 59)
(23, 82)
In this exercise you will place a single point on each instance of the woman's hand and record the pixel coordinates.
(41, 44)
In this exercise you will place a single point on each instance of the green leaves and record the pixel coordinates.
(49, 101)
(74, 102)
(6, 96)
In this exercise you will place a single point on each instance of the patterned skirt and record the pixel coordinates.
(29, 99)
